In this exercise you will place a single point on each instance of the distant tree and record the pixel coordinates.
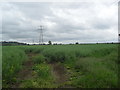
(55, 44)
(44, 44)
(76, 43)
(49, 42)
(70, 44)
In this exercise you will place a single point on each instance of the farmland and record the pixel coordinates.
(60, 66)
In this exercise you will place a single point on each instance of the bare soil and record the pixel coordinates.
(26, 71)
(59, 72)
(61, 75)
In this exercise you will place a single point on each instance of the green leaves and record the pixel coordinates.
(39, 59)
(12, 60)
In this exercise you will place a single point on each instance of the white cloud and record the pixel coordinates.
(63, 22)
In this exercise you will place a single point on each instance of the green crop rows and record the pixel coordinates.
(88, 66)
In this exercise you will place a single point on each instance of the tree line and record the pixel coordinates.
(12, 43)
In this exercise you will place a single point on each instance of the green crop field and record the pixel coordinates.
(60, 66)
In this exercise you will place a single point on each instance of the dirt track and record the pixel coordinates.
(25, 73)
(58, 71)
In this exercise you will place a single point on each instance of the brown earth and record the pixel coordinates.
(61, 75)
(25, 73)
(58, 71)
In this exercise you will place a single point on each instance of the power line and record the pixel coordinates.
(41, 34)
(33, 41)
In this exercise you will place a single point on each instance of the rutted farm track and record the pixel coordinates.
(58, 71)
(26, 72)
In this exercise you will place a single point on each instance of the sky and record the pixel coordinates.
(64, 22)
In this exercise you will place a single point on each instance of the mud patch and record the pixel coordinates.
(25, 73)
(59, 72)
(61, 75)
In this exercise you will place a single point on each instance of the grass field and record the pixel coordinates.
(56, 66)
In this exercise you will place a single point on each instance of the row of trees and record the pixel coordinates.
(4, 43)
(50, 43)
(10, 43)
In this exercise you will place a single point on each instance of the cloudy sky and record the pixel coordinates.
(64, 22)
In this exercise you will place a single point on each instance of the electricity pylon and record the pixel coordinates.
(41, 35)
